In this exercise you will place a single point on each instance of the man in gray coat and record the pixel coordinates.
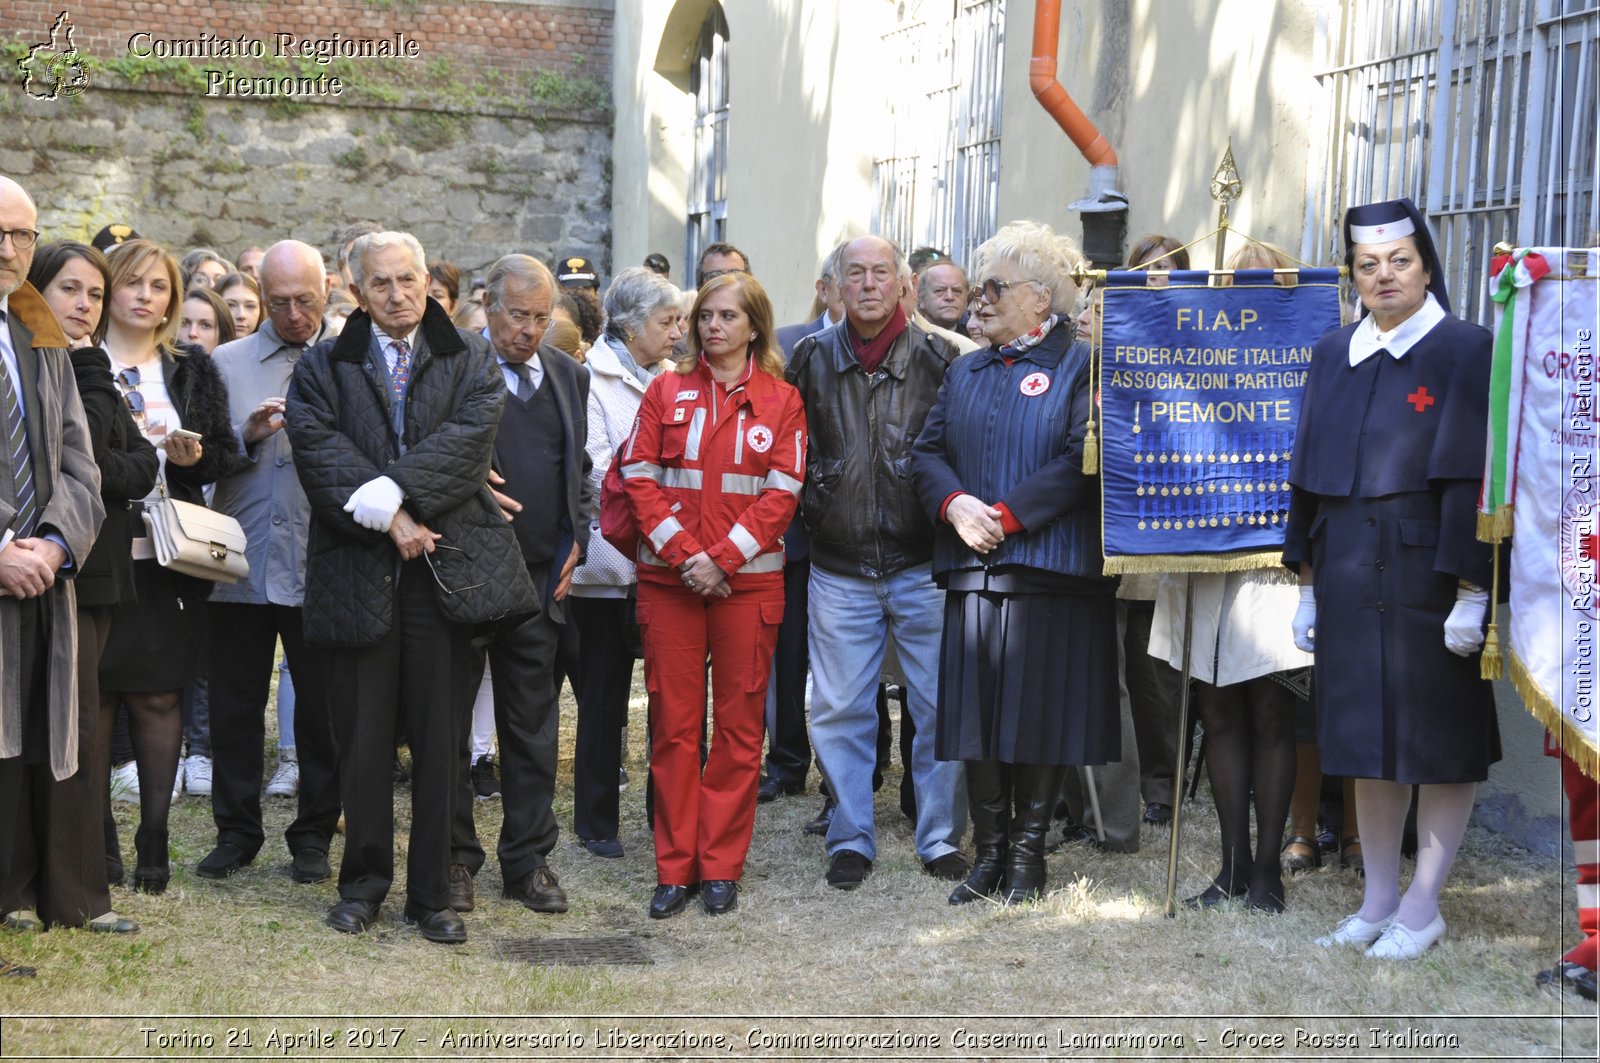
(249, 617)
(50, 511)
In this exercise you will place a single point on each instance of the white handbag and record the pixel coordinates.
(196, 541)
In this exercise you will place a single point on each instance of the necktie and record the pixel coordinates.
(400, 375)
(21, 456)
(524, 379)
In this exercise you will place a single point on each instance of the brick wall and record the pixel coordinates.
(510, 36)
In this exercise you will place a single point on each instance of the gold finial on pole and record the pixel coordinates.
(1226, 187)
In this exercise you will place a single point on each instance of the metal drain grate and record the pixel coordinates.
(577, 952)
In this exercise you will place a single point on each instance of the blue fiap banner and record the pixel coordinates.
(1199, 398)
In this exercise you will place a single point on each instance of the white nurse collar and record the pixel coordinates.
(1367, 341)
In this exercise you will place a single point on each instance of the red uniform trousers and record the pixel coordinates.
(1583, 814)
(704, 819)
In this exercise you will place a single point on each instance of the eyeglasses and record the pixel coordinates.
(306, 304)
(129, 381)
(992, 290)
(21, 239)
(520, 318)
(433, 569)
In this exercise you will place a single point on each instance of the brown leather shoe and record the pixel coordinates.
(461, 899)
(539, 890)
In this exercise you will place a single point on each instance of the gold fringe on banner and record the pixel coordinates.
(1572, 741)
(1129, 564)
(1495, 527)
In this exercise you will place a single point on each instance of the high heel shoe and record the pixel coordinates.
(1295, 863)
(1351, 860)
(152, 871)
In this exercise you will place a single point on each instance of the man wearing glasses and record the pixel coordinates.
(393, 425)
(50, 511)
(248, 617)
(540, 455)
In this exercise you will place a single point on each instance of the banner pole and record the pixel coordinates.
(1225, 188)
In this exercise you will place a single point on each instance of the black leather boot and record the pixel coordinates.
(989, 802)
(1033, 792)
(152, 872)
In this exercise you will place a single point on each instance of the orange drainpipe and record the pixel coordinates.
(1054, 99)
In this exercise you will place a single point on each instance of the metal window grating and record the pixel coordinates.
(708, 177)
(577, 952)
(938, 184)
(1482, 111)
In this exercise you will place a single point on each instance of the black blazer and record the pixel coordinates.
(128, 466)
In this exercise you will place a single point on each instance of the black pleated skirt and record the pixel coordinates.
(1029, 678)
(158, 642)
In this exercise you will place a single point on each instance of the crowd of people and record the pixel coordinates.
(455, 500)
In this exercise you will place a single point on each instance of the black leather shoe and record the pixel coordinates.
(15, 970)
(1568, 975)
(310, 865)
(1215, 896)
(352, 916)
(668, 901)
(719, 895)
(772, 788)
(442, 925)
(1158, 813)
(222, 861)
(848, 869)
(952, 867)
(609, 848)
(461, 899)
(824, 820)
(538, 890)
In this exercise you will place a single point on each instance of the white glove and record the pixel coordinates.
(1463, 628)
(374, 503)
(1305, 620)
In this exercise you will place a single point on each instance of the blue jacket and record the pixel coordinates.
(1014, 434)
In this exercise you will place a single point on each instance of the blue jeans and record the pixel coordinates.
(850, 618)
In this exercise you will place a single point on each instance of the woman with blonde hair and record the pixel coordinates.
(713, 472)
(156, 644)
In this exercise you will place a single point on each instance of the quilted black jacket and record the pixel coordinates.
(338, 421)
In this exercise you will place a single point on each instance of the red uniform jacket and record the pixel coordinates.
(715, 469)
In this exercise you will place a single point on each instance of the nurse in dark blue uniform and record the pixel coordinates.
(1382, 528)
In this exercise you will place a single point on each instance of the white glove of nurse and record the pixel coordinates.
(1463, 628)
(1305, 619)
(373, 504)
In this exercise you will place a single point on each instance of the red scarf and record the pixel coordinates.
(871, 353)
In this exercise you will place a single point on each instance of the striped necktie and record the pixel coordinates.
(524, 379)
(401, 374)
(21, 456)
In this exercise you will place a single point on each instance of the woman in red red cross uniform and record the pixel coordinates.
(713, 473)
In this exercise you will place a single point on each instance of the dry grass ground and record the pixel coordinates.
(1096, 959)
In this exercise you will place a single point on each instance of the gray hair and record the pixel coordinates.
(523, 271)
(1040, 253)
(833, 265)
(377, 242)
(636, 295)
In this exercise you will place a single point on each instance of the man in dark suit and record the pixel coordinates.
(50, 511)
(541, 457)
